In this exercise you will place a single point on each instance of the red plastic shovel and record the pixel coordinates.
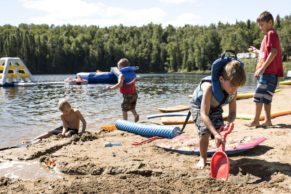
(219, 162)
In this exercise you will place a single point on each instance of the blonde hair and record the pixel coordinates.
(63, 103)
(123, 62)
(235, 73)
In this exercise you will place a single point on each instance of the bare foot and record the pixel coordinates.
(266, 124)
(201, 164)
(136, 118)
(253, 124)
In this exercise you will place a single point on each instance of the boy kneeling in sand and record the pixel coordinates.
(71, 122)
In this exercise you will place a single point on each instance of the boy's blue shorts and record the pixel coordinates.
(215, 116)
(266, 86)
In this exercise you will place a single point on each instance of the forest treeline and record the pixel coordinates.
(72, 48)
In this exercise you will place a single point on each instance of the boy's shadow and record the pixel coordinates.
(281, 125)
(261, 169)
(257, 151)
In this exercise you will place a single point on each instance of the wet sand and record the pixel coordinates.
(84, 165)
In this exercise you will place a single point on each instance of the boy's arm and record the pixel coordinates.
(205, 108)
(269, 59)
(65, 126)
(82, 119)
(119, 83)
(254, 50)
(232, 111)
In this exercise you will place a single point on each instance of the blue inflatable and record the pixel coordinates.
(99, 78)
(148, 130)
(109, 77)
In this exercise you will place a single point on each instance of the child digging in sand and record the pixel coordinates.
(220, 88)
(268, 69)
(126, 84)
(71, 122)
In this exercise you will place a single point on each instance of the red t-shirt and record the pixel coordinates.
(128, 88)
(271, 40)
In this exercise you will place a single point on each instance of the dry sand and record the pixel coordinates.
(86, 166)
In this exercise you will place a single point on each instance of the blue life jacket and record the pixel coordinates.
(219, 96)
(129, 74)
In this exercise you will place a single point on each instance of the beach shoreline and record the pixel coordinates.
(87, 166)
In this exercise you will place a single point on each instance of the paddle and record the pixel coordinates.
(219, 162)
(147, 140)
(11, 147)
(20, 145)
(186, 121)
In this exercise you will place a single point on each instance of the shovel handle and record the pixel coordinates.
(225, 130)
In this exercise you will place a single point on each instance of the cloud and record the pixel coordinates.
(187, 18)
(83, 12)
(177, 1)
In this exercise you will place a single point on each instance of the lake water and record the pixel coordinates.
(26, 112)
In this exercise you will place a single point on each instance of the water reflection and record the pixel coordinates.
(29, 111)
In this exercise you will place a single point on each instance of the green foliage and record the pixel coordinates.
(73, 48)
(250, 65)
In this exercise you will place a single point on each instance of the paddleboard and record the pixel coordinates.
(277, 114)
(286, 82)
(280, 113)
(174, 108)
(245, 95)
(243, 116)
(185, 144)
(180, 119)
(173, 114)
(175, 120)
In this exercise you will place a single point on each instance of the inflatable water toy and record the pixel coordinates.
(148, 130)
(109, 77)
(98, 78)
(185, 144)
(174, 108)
(70, 81)
(13, 72)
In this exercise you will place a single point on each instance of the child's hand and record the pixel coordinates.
(218, 139)
(107, 88)
(259, 72)
(253, 49)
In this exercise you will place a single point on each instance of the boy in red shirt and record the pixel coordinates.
(126, 85)
(268, 69)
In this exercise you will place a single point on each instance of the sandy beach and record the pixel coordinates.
(84, 165)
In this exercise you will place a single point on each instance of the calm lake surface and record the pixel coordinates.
(26, 112)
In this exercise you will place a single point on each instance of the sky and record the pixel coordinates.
(137, 12)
